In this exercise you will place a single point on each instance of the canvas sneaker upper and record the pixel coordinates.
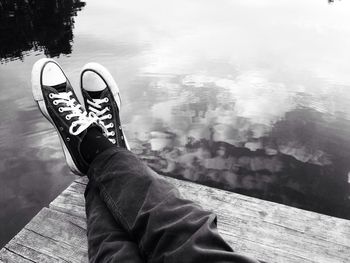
(101, 97)
(59, 104)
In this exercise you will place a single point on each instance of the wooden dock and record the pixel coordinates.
(268, 231)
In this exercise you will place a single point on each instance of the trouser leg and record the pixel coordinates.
(107, 239)
(167, 227)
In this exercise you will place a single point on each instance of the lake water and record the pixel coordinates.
(248, 96)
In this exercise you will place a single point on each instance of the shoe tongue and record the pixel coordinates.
(97, 94)
(60, 87)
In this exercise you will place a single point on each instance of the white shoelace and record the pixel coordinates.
(95, 106)
(70, 105)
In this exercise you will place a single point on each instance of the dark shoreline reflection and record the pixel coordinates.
(36, 25)
(33, 171)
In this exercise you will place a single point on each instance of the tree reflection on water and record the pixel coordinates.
(39, 25)
(301, 160)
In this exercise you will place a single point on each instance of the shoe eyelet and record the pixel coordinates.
(55, 102)
(120, 127)
(68, 117)
(113, 133)
(51, 95)
(68, 139)
(112, 125)
(106, 99)
(60, 109)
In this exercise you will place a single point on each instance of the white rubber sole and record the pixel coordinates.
(39, 99)
(110, 82)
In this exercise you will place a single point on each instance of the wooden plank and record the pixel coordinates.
(50, 237)
(262, 229)
(227, 204)
(71, 200)
(266, 230)
(293, 234)
(7, 255)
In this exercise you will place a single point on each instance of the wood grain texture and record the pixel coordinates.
(51, 236)
(268, 231)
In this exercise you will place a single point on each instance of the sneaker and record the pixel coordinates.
(58, 103)
(101, 96)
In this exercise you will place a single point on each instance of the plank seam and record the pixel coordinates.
(74, 224)
(52, 239)
(13, 252)
(39, 252)
(62, 210)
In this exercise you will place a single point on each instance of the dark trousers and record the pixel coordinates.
(134, 215)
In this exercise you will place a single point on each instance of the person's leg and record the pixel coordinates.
(107, 239)
(167, 227)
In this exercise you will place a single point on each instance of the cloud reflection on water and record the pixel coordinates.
(206, 130)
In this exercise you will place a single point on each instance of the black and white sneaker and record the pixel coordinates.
(101, 97)
(58, 103)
